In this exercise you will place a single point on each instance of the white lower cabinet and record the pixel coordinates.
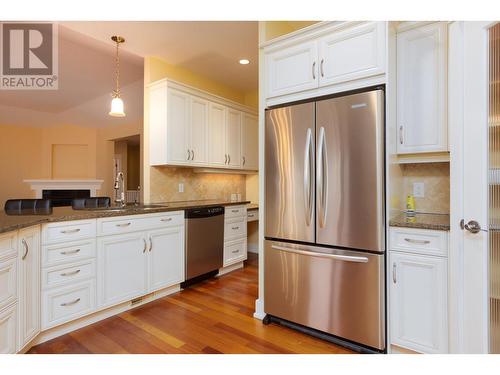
(166, 259)
(8, 330)
(418, 302)
(29, 284)
(235, 235)
(122, 268)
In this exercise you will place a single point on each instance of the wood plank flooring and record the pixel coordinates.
(214, 316)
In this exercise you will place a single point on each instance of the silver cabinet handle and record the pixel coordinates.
(308, 167)
(228, 159)
(166, 219)
(67, 231)
(235, 228)
(145, 246)
(150, 244)
(70, 273)
(26, 249)
(394, 280)
(225, 162)
(314, 70)
(123, 225)
(244, 161)
(321, 67)
(321, 177)
(192, 154)
(420, 242)
(189, 155)
(235, 251)
(70, 252)
(235, 211)
(401, 134)
(346, 258)
(70, 303)
(472, 226)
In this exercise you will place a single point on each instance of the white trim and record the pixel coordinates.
(259, 310)
(39, 185)
(409, 25)
(432, 157)
(230, 268)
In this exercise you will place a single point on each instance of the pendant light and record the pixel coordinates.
(117, 102)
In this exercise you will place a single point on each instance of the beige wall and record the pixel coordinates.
(62, 152)
(161, 183)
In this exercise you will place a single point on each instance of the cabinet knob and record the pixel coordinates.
(401, 134)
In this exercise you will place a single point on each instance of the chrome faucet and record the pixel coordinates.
(120, 188)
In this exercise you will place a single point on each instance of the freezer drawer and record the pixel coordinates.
(335, 291)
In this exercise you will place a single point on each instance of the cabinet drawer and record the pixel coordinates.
(252, 215)
(68, 231)
(235, 251)
(235, 228)
(64, 304)
(67, 252)
(8, 282)
(419, 241)
(8, 246)
(234, 211)
(126, 224)
(68, 274)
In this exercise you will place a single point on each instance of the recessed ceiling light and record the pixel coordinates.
(244, 62)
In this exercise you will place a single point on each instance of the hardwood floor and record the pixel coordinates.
(214, 316)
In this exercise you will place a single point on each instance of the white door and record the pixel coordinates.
(217, 155)
(469, 186)
(233, 138)
(250, 142)
(166, 257)
(421, 98)
(418, 311)
(354, 53)
(8, 330)
(292, 69)
(178, 109)
(198, 131)
(122, 268)
(29, 284)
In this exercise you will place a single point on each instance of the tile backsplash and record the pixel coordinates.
(436, 177)
(165, 185)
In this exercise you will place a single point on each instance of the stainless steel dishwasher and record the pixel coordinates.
(204, 243)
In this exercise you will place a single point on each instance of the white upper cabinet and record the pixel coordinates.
(233, 138)
(351, 54)
(421, 94)
(217, 155)
(325, 58)
(250, 142)
(178, 124)
(292, 69)
(198, 131)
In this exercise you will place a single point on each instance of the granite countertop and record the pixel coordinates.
(252, 206)
(10, 222)
(421, 221)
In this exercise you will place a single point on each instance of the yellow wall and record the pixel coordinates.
(160, 184)
(274, 29)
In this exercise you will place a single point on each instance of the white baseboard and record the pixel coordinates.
(259, 310)
(60, 330)
(231, 268)
(253, 248)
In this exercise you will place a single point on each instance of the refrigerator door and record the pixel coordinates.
(290, 188)
(335, 291)
(350, 171)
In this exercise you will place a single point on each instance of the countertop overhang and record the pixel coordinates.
(421, 221)
(10, 222)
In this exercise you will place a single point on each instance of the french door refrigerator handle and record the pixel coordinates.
(321, 177)
(346, 258)
(307, 176)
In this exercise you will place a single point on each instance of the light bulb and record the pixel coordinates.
(117, 108)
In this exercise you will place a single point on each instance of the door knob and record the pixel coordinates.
(472, 226)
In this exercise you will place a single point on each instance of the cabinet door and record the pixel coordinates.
(233, 138)
(355, 53)
(166, 257)
(157, 113)
(8, 330)
(122, 266)
(199, 131)
(418, 303)
(421, 95)
(250, 143)
(29, 284)
(178, 109)
(293, 69)
(217, 155)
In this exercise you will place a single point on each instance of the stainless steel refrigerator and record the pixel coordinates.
(324, 216)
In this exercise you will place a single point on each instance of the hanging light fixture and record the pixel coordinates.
(117, 102)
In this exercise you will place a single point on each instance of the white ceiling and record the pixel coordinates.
(209, 48)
